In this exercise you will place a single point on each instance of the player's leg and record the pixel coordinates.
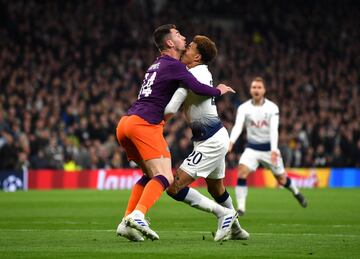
(123, 229)
(217, 190)
(137, 189)
(241, 189)
(278, 171)
(285, 181)
(161, 176)
(159, 170)
(180, 191)
(154, 157)
(248, 163)
(134, 155)
(136, 192)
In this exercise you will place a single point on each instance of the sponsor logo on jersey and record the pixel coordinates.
(259, 124)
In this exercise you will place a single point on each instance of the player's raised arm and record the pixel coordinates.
(194, 85)
(238, 127)
(274, 135)
(174, 105)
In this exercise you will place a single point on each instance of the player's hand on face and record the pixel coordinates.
(225, 89)
(274, 157)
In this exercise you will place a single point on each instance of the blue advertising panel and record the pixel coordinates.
(344, 177)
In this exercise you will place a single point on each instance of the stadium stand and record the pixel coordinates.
(70, 69)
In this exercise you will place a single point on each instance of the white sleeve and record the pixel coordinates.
(274, 126)
(238, 127)
(176, 101)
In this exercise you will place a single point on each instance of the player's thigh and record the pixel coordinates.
(148, 138)
(131, 151)
(278, 169)
(281, 178)
(215, 186)
(181, 180)
(243, 171)
(250, 159)
(206, 159)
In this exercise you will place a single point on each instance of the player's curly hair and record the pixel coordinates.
(160, 34)
(206, 48)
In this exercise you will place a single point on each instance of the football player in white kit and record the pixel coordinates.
(261, 119)
(211, 142)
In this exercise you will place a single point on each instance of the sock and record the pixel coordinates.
(201, 202)
(136, 192)
(151, 193)
(180, 196)
(241, 191)
(226, 201)
(290, 186)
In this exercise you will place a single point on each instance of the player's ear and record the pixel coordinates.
(197, 58)
(169, 43)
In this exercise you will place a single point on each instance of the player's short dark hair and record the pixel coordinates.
(160, 34)
(259, 79)
(206, 48)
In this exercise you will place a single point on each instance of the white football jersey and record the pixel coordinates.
(261, 122)
(196, 107)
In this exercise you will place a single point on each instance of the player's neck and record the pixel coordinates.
(258, 102)
(172, 53)
(193, 64)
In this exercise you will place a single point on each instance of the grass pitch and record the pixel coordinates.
(81, 224)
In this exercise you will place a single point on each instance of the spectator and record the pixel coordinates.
(70, 69)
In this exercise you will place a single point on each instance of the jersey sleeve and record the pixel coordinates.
(239, 124)
(176, 101)
(180, 72)
(274, 126)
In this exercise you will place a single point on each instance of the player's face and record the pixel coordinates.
(190, 54)
(257, 90)
(178, 40)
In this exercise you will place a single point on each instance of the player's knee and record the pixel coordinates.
(243, 171)
(168, 176)
(281, 179)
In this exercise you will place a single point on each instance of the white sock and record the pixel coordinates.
(241, 193)
(228, 203)
(201, 202)
(138, 213)
(292, 187)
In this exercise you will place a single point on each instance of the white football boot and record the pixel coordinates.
(238, 233)
(225, 223)
(128, 232)
(137, 221)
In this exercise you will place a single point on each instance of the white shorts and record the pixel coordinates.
(252, 158)
(207, 160)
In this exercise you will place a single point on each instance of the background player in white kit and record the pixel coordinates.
(211, 142)
(261, 119)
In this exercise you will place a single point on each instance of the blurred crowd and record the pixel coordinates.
(70, 69)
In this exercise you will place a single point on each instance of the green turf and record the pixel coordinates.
(81, 224)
